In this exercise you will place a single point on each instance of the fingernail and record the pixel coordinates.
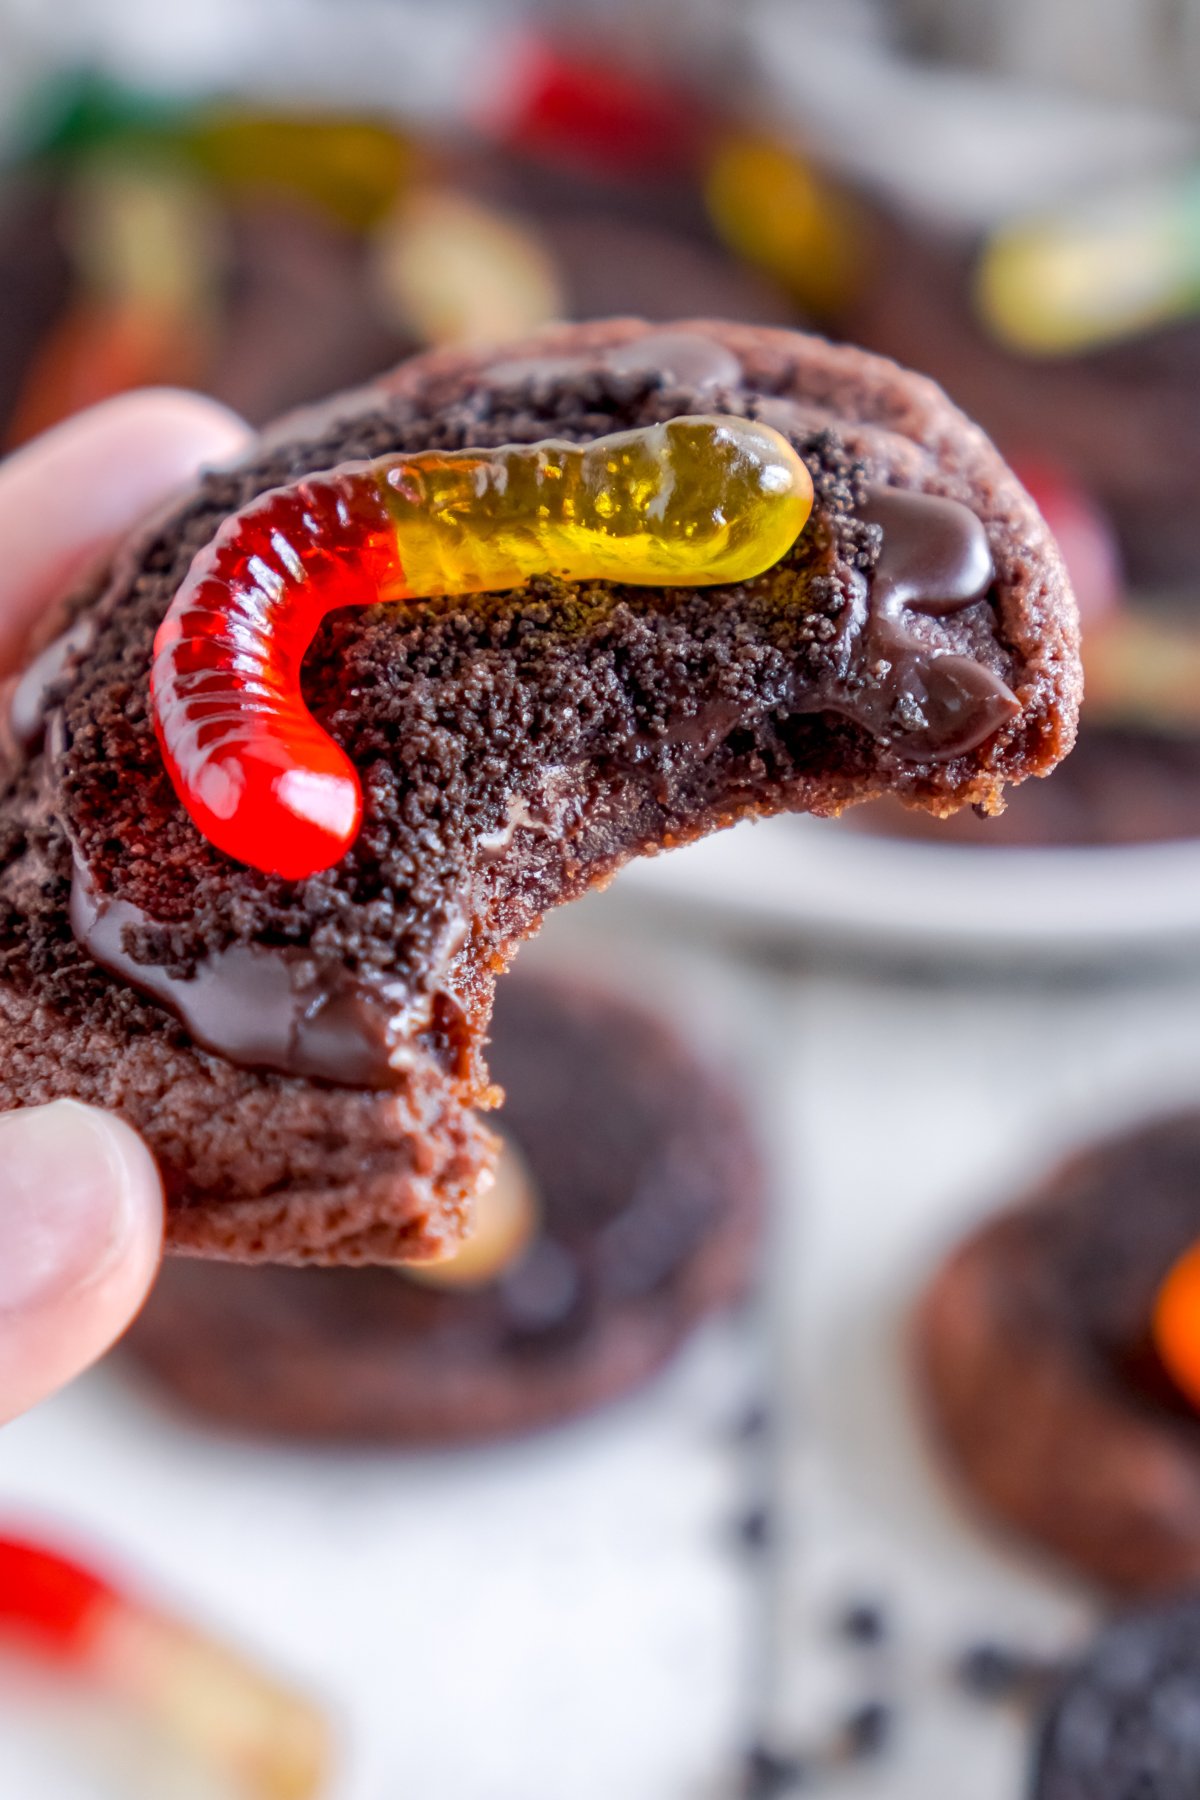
(66, 1201)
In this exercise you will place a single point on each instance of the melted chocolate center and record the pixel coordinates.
(925, 701)
(934, 559)
(262, 1006)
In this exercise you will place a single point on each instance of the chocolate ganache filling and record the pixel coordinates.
(267, 1007)
(291, 1009)
(933, 558)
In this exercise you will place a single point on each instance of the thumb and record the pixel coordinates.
(81, 1225)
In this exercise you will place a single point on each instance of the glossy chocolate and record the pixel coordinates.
(280, 1007)
(934, 559)
(926, 702)
(934, 553)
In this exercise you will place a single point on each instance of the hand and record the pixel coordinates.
(81, 1207)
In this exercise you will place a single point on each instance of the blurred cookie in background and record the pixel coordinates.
(270, 256)
(1058, 1350)
(205, 247)
(1072, 337)
(626, 1211)
(36, 277)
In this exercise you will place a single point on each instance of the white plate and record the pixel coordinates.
(814, 878)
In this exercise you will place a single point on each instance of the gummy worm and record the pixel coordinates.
(1176, 1323)
(259, 1738)
(48, 1601)
(694, 502)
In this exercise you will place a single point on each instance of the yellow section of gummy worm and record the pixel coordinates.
(696, 502)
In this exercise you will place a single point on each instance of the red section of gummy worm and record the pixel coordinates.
(259, 777)
(46, 1600)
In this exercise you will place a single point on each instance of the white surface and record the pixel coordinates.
(562, 1619)
(804, 877)
(917, 1107)
(552, 1619)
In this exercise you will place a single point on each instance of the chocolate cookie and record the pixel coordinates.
(1044, 1370)
(304, 1056)
(1123, 1726)
(646, 1193)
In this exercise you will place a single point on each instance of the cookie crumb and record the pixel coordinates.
(867, 1730)
(1001, 1672)
(767, 1774)
(755, 1528)
(863, 1623)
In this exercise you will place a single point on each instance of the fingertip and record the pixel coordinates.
(164, 433)
(81, 1228)
(157, 436)
(67, 496)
